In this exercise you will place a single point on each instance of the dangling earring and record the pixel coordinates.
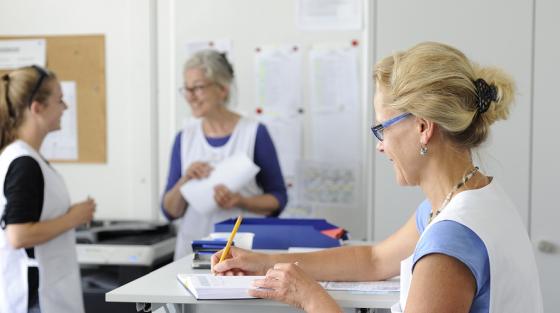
(423, 150)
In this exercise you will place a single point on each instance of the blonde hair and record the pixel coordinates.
(437, 82)
(18, 89)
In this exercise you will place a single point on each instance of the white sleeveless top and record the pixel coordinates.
(514, 279)
(60, 288)
(195, 147)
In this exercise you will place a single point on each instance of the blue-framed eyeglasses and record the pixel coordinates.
(378, 129)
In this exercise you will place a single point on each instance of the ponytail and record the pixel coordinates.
(18, 89)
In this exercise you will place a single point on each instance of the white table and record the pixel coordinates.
(161, 287)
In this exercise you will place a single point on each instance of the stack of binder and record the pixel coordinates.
(203, 251)
(285, 233)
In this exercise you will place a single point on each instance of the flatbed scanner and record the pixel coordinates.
(124, 243)
(112, 254)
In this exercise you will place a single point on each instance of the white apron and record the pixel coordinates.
(195, 147)
(59, 276)
(514, 280)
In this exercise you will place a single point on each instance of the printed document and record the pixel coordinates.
(208, 286)
(391, 285)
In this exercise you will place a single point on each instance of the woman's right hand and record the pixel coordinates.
(198, 170)
(240, 262)
(82, 212)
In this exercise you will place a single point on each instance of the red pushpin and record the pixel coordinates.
(355, 43)
(259, 111)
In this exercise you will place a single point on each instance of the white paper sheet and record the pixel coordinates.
(335, 104)
(209, 286)
(63, 144)
(334, 75)
(25, 52)
(329, 184)
(383, 286)
(233, 172)
(329, 14)
(287, 136)
(278, 79)
(335, 137)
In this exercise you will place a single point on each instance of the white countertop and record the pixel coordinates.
(161, 286)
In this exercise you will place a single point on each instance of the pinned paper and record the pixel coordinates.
(63, 143)
(25, 52)
(278, 79)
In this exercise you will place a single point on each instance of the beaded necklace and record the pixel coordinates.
(461, 183)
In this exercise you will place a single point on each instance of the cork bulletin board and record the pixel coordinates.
(82, 59)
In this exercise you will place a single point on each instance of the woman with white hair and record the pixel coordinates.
(215, 134)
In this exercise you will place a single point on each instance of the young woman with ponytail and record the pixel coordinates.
(38, 265)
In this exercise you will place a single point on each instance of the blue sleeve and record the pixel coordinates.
(270, 177)
(174, 173)
(460, 242)
(422, 215)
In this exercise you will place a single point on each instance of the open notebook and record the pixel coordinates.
(208, 286)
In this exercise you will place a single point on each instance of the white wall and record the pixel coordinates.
(124, 187)
(546, 150)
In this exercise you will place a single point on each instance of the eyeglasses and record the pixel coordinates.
(378, 129)
(194, 89)
(42, 75)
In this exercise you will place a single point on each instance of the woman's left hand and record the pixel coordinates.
(225, 198)
(288, 283)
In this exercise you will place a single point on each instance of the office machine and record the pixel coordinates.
(112, 254)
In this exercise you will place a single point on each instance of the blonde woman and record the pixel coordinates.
(465, 249)
(38, 264)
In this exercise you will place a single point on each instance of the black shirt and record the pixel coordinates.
(24, 188)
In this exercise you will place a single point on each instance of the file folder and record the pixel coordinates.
(283, 233)
(203, 251)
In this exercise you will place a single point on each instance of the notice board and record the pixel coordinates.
(81, 58)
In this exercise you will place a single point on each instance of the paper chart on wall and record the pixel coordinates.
(287, 136)
(63, 144)
(334, 78)
(329, 14)
(335, 106)
(335, 137)
(330, 184)
(278, 79)
(19, 53)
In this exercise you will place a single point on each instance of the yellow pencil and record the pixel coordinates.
(230, 240)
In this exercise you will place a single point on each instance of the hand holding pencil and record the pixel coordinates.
(235, 261)
(231, 237)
